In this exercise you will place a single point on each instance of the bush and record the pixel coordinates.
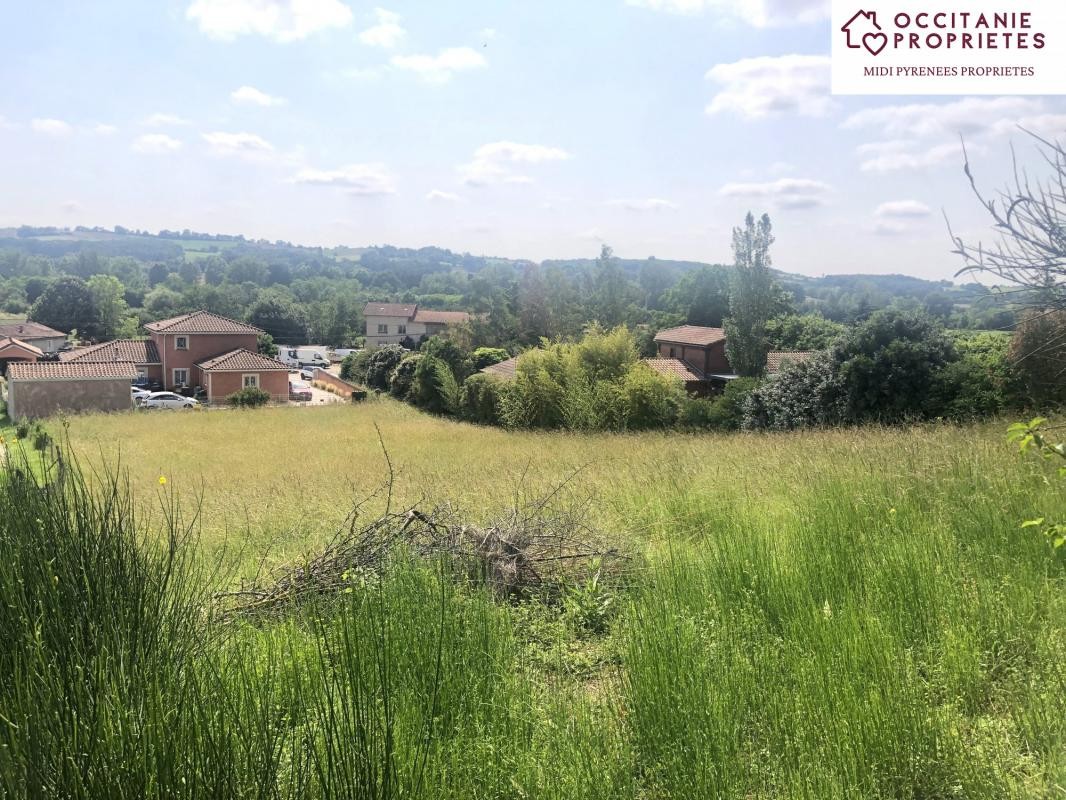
(354, 366)
(403, 377)
(41, 438)
(982, 382)
(1038, 352)
(479, 399)
(434, 388)
(803, 394)
(249, 398)
(650, 400)
(381, 364)
(487, 356)
(450, 353)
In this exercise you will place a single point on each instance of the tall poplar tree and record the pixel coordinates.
(751, 298)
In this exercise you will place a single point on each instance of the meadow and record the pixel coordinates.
(827, 614)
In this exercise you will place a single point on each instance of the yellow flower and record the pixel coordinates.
(162, 480)
(892, 512)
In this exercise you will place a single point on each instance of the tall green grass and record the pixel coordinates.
(868, 621)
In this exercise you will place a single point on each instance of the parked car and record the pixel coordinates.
(168, 400)
(139, 395)
(299, 392)
(307, 373)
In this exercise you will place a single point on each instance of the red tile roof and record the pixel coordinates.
(241, 360)
(68, 371)
(390, 310)
(776, 360)
(673, 367)
(139, 351)
(29, 330)
(440, 317)
(504, 369)
(691, 334)
(8, 341)
(201, 322)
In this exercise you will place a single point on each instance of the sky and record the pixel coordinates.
(525, 130)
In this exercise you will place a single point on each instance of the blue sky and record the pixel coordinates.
(533, 130)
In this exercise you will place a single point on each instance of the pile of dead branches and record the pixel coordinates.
(533, 550)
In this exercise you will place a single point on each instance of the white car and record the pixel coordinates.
(139, 395)
(168, 400)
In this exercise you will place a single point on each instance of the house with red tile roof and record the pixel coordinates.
(201, 349)
(45, 339)
(394, 323)
(15, 350)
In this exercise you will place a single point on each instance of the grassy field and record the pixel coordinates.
(815, 615)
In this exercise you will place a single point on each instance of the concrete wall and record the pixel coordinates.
(35, 399)
(342, 388)
(222, 384)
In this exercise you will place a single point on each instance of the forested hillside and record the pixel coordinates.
(106, 283)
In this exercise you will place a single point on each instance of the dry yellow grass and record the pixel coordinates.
(280, 480)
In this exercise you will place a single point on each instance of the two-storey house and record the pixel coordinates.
(396, 323)
(198, 349)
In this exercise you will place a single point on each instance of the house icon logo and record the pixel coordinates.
(863, 31)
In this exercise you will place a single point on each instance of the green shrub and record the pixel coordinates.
(650, 400)
(479, 399)
(380, 365)
(354, 366)
(41, 438)
(487, 356)
(433, 387)
(250, 397)
(403, 377)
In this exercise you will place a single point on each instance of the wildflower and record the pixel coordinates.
(162, 480)
(891, 512)
(827, 610)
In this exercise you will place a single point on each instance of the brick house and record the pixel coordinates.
(198, 349)
(392, 323)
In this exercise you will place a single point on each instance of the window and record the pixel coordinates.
(383, 328)
(401, 329)
(181, 377)
(181, 342)
(251, 381)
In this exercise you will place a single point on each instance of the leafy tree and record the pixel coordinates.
(112, 313)
(65, 305)
(265, 345)
(701, 296)
(380, 365)
(354, 366)
(479, 399)
(802, 332)
(889, 363)
(752, 298)
(449, 352)
(611, 290)
(280, 317)
(803, 394)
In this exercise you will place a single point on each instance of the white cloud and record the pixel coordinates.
(161, 120)
(101, 129)
(280, 20)
(244, 145)
(791, 193)
(970, 116)
(759, 87)
(442, 67)
(759, 13)
(52, 127)
(650, 204)
(439, 196)
(6, 125)
(494, 162)
(249, 95)
(895, 155)
(487, 34)
(357, 179)
(387, 33)
(903, 209)
(156, 143)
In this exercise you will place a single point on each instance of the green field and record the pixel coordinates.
(833, 614)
